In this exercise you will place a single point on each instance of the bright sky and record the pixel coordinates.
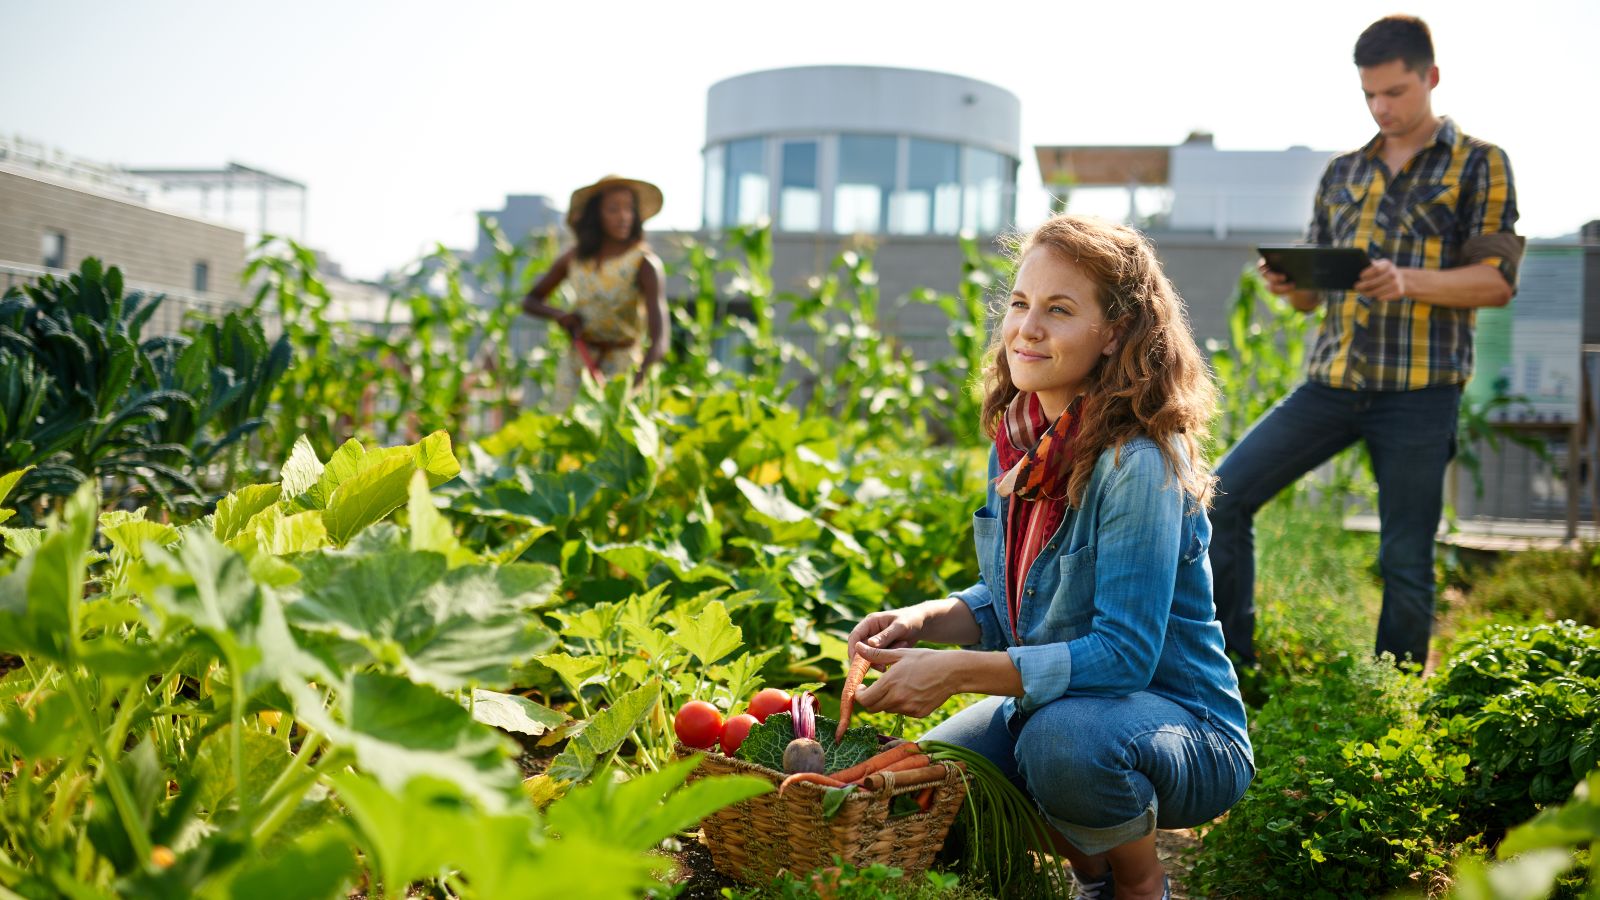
(404, 118)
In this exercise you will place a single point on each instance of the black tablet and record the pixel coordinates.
(1314, 268)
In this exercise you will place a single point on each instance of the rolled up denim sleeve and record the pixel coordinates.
(1136, 565)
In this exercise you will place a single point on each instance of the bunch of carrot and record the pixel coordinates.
(872, 774)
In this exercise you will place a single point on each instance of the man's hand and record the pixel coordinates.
(1277, 282)
(915, 681)
(571, 321)
(1383, 280)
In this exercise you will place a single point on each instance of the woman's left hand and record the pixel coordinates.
(915, 682)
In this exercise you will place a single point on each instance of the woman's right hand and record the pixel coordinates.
(891, 629)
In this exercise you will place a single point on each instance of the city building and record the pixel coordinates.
(57, 210)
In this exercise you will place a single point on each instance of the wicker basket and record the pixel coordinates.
(754, 840)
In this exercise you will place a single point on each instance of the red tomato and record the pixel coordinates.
(698, 724)
(734, 733)
(768, 701)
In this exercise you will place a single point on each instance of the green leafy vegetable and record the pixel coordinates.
(765, 744)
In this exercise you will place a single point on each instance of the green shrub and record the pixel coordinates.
(1529, 698)
(1542, 585)
(1354, 795)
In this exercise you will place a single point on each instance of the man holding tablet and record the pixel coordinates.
(1434, 211)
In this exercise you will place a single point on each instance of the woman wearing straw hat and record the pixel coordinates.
(617, 297)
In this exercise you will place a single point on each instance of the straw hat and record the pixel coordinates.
(646, 195)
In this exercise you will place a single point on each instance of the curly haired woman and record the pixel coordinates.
(1092, 626)
(617, 293)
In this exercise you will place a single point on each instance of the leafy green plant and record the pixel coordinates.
(1540, 585)
(1529, 699)
(765, 743)
(1536, 853)
(1354, 795)
(843, 881)
(198, 711)
(83, 396)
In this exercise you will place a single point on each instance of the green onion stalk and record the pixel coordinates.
(1001, 825)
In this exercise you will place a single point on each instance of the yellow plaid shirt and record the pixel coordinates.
(1436, 213)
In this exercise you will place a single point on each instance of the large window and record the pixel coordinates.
(931, 202)
(716, 184)
(987, 184)
(799, 200)
(866, 182)
(747, 187)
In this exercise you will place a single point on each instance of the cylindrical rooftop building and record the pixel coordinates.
(861, 149)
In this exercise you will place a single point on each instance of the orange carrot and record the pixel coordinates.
(863, 769)
(925, 798)
(847, 701)
(809, 778)
(915, 761)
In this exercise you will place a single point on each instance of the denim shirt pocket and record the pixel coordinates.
(986, 538)
(1196, 538)
(1072, 608)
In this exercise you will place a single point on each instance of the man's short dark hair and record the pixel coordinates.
(1405, 38)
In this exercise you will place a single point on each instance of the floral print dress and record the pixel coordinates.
(606, 294)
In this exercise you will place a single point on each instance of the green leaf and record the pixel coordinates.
(45, 731)
(22, 541)
(606, 731)
(10, 479)
(411, 832)
(743, 675)
(367, 497)
(271, 532)
(236, 510)
(400, 731)
(640, 813)
(265, 758)
(444, 627)
(771, 502)
(833, 800)
(432, 456)
(128, 538)
(318, 865)
(429, 529)
(576, 672)
(710, 635)
(510, 712)
(302, 470)
(350, 458)
(536, 499)
(765, 743)
(39, 599)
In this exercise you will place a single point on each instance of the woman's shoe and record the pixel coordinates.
(1101, 888)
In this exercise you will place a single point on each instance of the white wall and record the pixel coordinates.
(865, 99)
(1223, 191)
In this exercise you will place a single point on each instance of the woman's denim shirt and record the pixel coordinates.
(1118, 601)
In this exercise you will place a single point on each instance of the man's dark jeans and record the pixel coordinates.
(1410, 436)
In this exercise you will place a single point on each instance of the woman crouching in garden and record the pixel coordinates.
(1092, 625)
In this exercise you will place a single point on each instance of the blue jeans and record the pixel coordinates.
(1410, 436)
(1108, 770)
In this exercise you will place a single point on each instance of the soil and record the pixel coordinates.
(704, 882)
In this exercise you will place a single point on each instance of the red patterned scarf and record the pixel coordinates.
(1036, 456)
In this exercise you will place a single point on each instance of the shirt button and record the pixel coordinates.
(1050, 547)
(1030, 592)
